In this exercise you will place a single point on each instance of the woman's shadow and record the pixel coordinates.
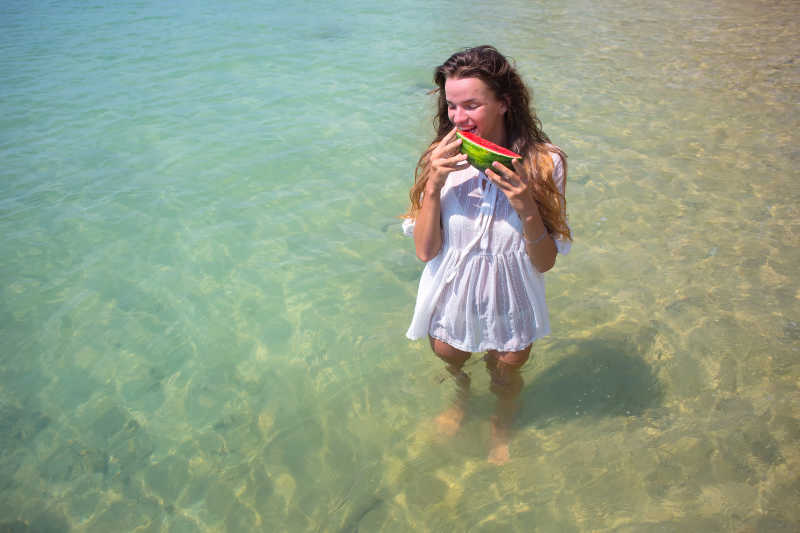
(598, 378)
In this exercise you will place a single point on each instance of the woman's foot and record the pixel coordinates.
(506, 384)
(499, 453)
(449, 422)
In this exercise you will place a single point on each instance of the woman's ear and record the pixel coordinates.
(506, 101)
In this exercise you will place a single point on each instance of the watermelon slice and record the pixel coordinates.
(482, 153)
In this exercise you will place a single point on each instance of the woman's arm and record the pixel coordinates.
(444, 159)
(539, 245)
(428, 226)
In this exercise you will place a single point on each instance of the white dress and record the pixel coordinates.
(481, 292)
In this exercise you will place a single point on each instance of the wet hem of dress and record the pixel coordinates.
(465, 348)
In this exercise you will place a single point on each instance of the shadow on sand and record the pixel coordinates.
(598, 378)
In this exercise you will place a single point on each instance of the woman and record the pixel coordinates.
(487, 238)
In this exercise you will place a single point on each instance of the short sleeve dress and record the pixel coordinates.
(481, 292)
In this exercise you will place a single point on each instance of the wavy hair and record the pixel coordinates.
(523, 131)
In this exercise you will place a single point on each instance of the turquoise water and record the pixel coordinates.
(205, 287)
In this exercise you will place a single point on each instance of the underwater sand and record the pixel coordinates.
(205, 287)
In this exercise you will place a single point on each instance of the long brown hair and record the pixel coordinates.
(523, 131)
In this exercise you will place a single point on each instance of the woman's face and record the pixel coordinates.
(473, 107)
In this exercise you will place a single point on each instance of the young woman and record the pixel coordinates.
(487, 238)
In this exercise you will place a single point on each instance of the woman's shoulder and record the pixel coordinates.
(559, 158)
(557, 154)
(546, 154)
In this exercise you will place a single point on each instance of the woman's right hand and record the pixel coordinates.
(444, 159)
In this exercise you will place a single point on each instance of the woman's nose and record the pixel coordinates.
(458, 116)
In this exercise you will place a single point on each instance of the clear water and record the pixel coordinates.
(205, 289)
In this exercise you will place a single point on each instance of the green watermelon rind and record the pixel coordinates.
(480, 157)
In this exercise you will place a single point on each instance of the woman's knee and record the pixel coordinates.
(511, 360)
(504, 369)
(449, 354)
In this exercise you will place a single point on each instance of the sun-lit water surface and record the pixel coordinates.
(205, 288)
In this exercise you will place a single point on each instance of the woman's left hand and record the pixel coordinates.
(515, 185)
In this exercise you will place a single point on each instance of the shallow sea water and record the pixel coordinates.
(205, 287)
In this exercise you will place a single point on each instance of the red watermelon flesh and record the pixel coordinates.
(482, 153)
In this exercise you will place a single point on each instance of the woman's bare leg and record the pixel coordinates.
(449, 421)
(504, 369)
